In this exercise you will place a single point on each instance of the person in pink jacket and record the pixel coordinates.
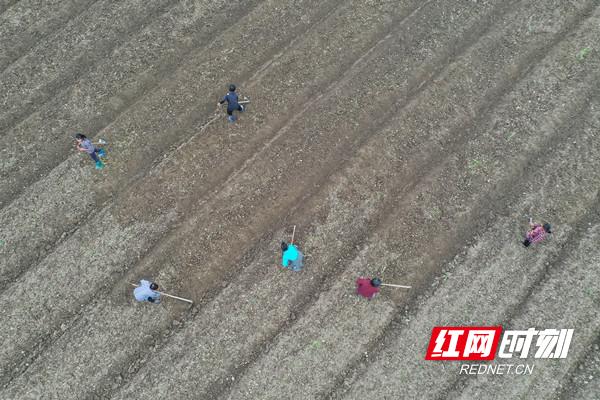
(535, 234)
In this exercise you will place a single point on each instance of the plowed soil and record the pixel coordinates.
(404, 140)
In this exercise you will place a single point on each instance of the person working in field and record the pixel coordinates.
(292, 257)
(367, 287)
(231, 99)
(84, 144)
(146, 292)
(535, 234)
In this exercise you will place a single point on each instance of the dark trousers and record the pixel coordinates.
(230, 112)
(526, 242)
(94, 156)
(152, 300)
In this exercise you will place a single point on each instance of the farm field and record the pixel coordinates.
(404, 139)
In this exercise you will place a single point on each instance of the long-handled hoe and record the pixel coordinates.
(170, 295)
(400, 286)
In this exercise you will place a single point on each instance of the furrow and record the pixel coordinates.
(283, 361)
(584, 378)
(558, 297)
(411, 361)
(124, 219)
(113, 89)
(374, 163)
(7, 4)
(37, 234)
(43, 73)
(489, 278)
(221, 382)
(28, 24)
(162, 204)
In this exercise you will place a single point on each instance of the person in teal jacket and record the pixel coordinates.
(292, 257)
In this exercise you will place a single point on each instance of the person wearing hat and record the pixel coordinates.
(367, 287)
(292, 257)
(84, 144)
(535, 234)
(232, 103)
(146, 292)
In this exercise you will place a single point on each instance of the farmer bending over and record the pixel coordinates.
(535, 234)
(146, 292)
(232, 103)
(292, 257)
(367, 287)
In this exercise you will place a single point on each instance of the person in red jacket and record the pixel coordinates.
(367, 287)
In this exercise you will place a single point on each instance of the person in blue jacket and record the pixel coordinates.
(292, 257)
(231, 99)
(146, 292)
(84, 144)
